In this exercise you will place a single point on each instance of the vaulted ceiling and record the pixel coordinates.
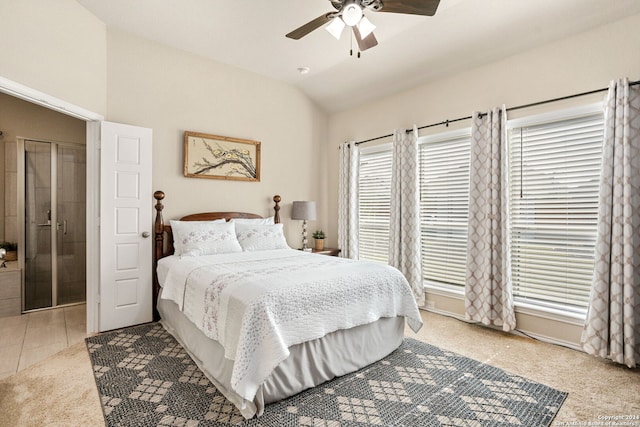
(412, 50)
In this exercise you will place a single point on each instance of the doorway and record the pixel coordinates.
(92, 121)
(52, 180)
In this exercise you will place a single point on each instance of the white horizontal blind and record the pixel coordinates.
(554, 178)
(444, 208)
(374, 194)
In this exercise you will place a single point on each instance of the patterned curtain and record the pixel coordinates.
(488, 294)
(404, 232)
(612, 327)
(348, 200)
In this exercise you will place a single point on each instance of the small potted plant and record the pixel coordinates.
(319, 236)
(11, 249)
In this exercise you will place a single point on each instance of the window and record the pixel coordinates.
(444, 207)
(554, 171)
(374, 192)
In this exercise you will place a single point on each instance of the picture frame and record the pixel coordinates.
(221, 157)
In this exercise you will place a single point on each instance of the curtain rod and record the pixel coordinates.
(533, 104)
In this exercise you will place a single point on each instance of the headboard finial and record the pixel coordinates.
(276, 208)
(159, 223)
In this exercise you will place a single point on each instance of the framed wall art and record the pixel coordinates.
(221, 157)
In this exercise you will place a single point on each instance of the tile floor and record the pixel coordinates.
(32, 337)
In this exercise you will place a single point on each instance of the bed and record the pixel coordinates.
(264, 321)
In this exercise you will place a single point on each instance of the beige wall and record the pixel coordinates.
(581, 63)
(61, 49)
(172, 91)
(21, 119)
(56, 47)
(578, 64)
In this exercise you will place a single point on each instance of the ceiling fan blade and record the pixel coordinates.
(412, 7)
(366, 43)
(302, 31)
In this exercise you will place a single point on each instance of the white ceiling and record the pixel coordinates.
(412, 50)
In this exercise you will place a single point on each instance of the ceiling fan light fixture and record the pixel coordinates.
(335, 27)
(351, 14)
(365, 27)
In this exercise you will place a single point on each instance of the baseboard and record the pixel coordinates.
(552, 340)
(521, 332)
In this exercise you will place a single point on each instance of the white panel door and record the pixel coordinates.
(126, 205)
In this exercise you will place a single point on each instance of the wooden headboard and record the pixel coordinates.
(164, 236)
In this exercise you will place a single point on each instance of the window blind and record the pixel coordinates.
(374, 193)
(554, 179)
(444, 208)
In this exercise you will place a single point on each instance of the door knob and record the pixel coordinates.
(145, 234)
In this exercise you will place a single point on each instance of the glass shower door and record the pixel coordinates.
(71, 224)
(55, 227)
(38, 292)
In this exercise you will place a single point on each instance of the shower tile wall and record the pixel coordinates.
(11, 191)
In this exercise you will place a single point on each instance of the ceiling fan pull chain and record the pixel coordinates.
(351, 45)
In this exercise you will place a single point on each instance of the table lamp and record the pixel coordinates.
(304, 211)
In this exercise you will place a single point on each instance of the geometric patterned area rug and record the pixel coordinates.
(145, 378)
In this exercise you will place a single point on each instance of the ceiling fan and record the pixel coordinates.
(351, 13)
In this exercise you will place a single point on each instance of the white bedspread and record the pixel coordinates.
(257, 304)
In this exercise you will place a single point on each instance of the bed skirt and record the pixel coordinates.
(309, 364)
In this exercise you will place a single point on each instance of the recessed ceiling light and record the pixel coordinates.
(304, 70)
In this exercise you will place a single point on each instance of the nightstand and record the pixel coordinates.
(327, 251)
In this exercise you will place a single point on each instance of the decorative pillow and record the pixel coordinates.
(261, 237)
(195, 238)
(265, 221)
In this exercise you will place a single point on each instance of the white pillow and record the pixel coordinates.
(185, 225)
(195, 238)
(261, 237)
(265, 221)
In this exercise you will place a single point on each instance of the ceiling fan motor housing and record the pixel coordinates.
(374, 5)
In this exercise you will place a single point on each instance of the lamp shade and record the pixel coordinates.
(365, 27)
(304, 210)
(335, 27)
